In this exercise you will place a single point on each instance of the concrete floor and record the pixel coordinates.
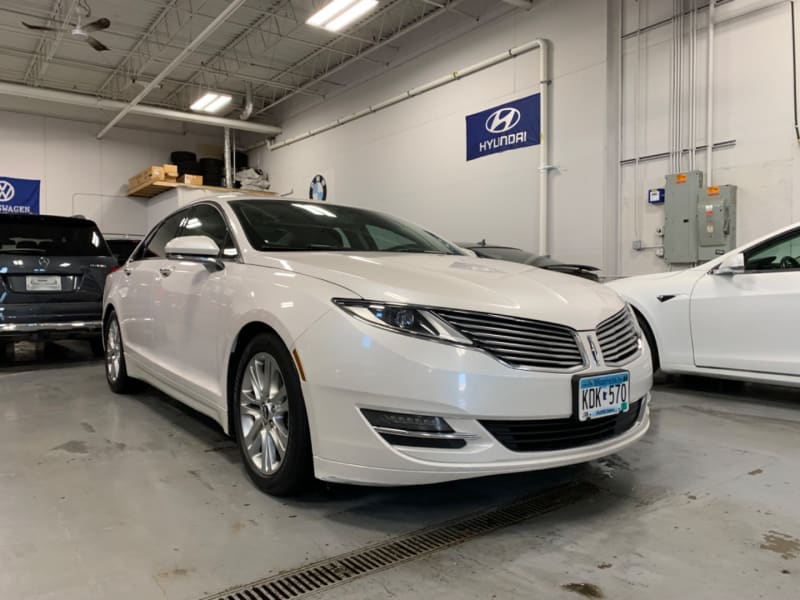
(103, 496)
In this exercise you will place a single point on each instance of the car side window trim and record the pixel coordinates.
(775, 241)
(142, 248)
(228, 231)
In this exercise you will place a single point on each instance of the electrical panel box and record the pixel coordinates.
(716, 221)
(682, 192)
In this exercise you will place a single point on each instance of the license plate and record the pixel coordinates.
(43, 283)
(603, 395)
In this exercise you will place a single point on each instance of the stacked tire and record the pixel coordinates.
(212, 170)
(186, 162)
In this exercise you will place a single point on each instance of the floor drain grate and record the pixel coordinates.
(345, 567)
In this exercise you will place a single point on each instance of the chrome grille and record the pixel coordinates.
(521, 343)
(618, 338)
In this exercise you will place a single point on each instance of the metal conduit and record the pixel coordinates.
(24, 91)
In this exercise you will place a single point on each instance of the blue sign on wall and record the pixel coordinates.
(507, 127)
(20, 196)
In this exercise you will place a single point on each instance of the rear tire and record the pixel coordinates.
(116, 369)
(270, 419)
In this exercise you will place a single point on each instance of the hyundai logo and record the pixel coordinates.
(503, 119)
(7, 191)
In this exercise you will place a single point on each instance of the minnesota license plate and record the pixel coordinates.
(43, 283)
(603, 395)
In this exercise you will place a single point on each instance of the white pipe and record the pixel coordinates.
(34, 93)
(679, 115)
(710, 96)
(544, 153)
(692, 81)
(199, 39)
(227, 157)
(247, 111)
(544, 116)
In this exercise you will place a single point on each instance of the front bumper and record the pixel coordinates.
(351, 365)
(49, 330)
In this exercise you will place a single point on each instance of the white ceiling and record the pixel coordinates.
(265, 43)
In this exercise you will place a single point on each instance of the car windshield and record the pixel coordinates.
(272, 225)
(47, 236)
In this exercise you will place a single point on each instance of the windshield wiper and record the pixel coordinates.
(309, 248)
(420, 251)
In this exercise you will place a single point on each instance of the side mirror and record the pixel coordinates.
(194, 248)
(733, 265)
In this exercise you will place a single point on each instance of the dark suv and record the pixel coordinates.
(52, 274)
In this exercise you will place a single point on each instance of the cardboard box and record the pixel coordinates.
(191, 179)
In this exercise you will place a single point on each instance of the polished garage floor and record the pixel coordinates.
(103, 496)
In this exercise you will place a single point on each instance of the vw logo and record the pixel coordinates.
(7, 191)
(44, 261)
(503, 119)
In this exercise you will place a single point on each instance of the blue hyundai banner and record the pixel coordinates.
(20, 196)
(507, 127)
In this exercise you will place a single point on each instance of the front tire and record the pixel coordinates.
(651, 340)
(270, 419)
(116, 369)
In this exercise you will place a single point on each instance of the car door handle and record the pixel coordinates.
(165, 271)
(127, 271)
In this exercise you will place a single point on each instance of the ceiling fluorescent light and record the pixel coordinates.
(327, 12)
(351, 14)
(217, 104)
(204, 101)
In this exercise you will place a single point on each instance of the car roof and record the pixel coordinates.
(22, 218)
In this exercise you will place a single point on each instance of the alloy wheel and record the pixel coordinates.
(113, 350)
(264, 413)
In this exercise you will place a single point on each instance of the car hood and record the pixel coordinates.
(459, 282)
(672, 283)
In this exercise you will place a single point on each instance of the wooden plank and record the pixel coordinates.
(151, 189)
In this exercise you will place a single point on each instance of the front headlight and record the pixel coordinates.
(402, 318)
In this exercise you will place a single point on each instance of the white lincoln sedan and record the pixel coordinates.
(734, 317)
(348, 345)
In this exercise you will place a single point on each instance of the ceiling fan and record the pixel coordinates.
(80, 31)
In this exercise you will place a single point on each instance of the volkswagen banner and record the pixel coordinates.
(20, 196)
(507, 127)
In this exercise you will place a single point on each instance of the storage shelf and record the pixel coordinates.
(151, 189)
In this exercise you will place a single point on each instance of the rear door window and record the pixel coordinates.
(51, 237)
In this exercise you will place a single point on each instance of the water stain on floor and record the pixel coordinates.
(74, 447)
(587, 590)
(781, 543)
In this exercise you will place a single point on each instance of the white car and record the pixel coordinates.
(735, 317)
(348, 345)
